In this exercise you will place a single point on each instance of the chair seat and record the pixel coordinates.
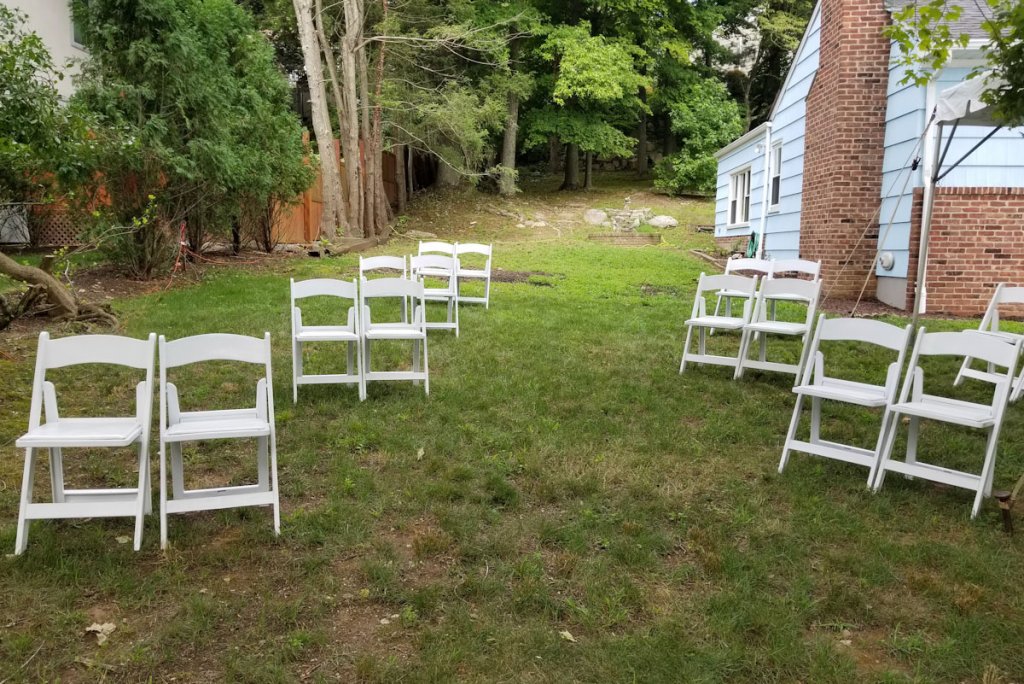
(472, 273)
(733, 293)
(723, 322)
(326, 333)
(948, 410)
(229, 424)
(83, 432)
(778, 327)
(848, 391)
(394, 331)
(431, 272)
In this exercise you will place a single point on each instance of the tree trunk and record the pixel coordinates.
(554, 155)
(400, 177)
(370, 161)
(641, 138)
(572, 168)
(61, 299)
(588, 172)
(383, 210)
(331, 217)
(507, 178)
(344, 214)
(410, 171)
(353, 162)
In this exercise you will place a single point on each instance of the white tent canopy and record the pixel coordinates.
(961, 105)
(963, 102)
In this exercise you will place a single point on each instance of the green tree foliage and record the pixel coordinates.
(195, 118)
(926, 37)
(41, 140)
(705, 118)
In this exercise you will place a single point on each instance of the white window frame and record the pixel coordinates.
(739, 190)
(775, 176)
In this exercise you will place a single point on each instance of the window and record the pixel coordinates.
(775, 167)
(739, 198)
(77, 30)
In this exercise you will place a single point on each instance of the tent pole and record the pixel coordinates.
(931, 177)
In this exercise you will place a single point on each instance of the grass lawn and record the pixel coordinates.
(563, 507)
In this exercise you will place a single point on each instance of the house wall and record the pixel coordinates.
(976, 241)
(51, 19)
(782, 230)
(997, 163)
(844, 144)
(743, 156)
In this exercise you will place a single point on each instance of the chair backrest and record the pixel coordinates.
(438, 248)
(434, 261)
(324, 287)
(715, 282)
(864, 330)
(382, 263)
(91, 349)
(781, 267)
(473, 248)
(391, 287)
(1004, 295)
(781, 287)
(214, 347)
(758, 266)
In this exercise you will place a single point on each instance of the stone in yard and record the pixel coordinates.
(595, 217)
(664, 222)
(422, 234)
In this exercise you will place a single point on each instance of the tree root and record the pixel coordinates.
(46, 295)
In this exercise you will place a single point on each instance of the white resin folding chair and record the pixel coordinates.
(761, 268)
(414, 331)
(434, 267)
(1004, 295)
(472, 273)
(392, 266)
(700, 320)
(58, 433)
(789, 268)
(762, 325)
(916, 405)
(815, 385)
(178, 427)
(445, 248)
(347, 333)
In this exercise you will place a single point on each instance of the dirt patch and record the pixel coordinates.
(500, 275)
(866, 308)
(423, 549)
(649, 290)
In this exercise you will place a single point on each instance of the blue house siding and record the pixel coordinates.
(743, 156)
(782, 231)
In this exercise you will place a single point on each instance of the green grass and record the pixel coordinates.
(561, 477)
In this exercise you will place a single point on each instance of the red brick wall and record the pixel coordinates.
(976, 241)
(844, 144)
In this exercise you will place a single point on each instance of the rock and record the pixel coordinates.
(422, 234)
(663, 221)
(595, 217)
(535, 224)
(520, 225)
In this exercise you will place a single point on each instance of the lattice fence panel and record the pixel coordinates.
(54, 226)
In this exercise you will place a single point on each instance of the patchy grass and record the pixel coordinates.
(561, 477)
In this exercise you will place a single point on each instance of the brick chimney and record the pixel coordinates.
(844, 144)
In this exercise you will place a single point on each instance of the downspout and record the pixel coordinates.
(764, 187)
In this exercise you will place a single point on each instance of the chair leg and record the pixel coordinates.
(794, 422)
(140, 511)
(701, 342)
(987, 468)
(262, 466)
(177, 471)
(742, 354)
(879, 444)
(57, 474)
(455, 306)
(426, 369)
(762, 339)
(960, 373)
(815, 420)
(362, 370)
(1018, 386)
(888, 442)
(686, 349)
(912, 434)
(350, 361)
(296, 360)
(163, 493)
(273, 483)
(487, 293)
(27, 480)
(416, 360)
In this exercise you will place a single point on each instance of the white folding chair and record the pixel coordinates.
(435, 267)
(761, 268)
(445, 248)
(700, 320)
(470, 272)
(57, 433)
(789, 268)
(392, 266)
(348, 333)
(178, 427)
(817, 386)
(415, 330)
(1004, 295)
(915, 404)
(762, 325)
